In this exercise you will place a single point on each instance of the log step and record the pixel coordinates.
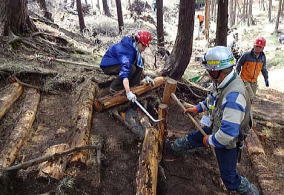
(10, 95)
(120, 98)
(22, 129)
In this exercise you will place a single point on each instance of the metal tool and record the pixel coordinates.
(147, 113)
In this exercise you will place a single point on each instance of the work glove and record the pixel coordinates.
(131, 96)
(205, 141)
(192, 109)
(267, 83)
(149, 80)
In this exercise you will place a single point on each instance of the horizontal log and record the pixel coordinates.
(120, 98)
(14, 91)
(22, 129)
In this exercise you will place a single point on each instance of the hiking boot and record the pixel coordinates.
(112, 91)
(247, 188)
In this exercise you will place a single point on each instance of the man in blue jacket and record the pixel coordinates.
(124, 59)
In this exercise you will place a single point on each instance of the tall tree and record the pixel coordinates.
(80, 14)
(269, 10)
(17, 22)
(231, 11)
(181, 53)
(222, 23)
(160, 27)
(106, 9)
(119, 15)
(249, 15)
(42, 5)
(207, 18)
(278, 16)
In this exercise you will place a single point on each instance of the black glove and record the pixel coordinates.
(267, 83)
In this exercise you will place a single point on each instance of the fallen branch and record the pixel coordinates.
(26, 84)
(47, 158)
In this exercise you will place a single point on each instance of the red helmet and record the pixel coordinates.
(144, 37)
(260, 41)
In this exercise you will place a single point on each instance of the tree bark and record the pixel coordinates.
(207, 18)
(278, 16)
(119, 15)
(106, 9)
(269, 10)
(80, 15)
(17, 22)
(160, 27)
(181, 53)
(222, 23)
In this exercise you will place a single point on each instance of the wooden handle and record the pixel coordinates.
(189, 116)
(192, 119)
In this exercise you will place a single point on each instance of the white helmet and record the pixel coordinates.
(218, 58)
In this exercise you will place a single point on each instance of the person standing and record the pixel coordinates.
(125, 61)
(251, 64)
(227, 123)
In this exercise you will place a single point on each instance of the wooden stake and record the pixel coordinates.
(22, 129)
(147, 174)
(162, 126)
(151, 155)
(170, 88)
(14, 92)
(120, 97)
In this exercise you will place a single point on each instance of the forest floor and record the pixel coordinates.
(60, 88)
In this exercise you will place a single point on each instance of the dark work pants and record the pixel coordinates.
(134, 77)
(227, 159)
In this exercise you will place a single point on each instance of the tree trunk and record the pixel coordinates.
(72, 3)
(119, 15)
(106, 9)
(42, 5)
(234, 13)
(18, 21)
(282, 9)
(250, 18)
(160, 27)
(278, 17)
(207, 18)
(231, 11)
(222, 23)
(4, 17)
(80, 14)
(181, 53)
(269, 10)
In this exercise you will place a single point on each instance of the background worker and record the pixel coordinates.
(124, 60)
(250, 65)
(227, 123)
(201, 21)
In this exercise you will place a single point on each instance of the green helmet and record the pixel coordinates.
(218, 58)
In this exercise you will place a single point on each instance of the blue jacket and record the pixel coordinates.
(123, 53)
